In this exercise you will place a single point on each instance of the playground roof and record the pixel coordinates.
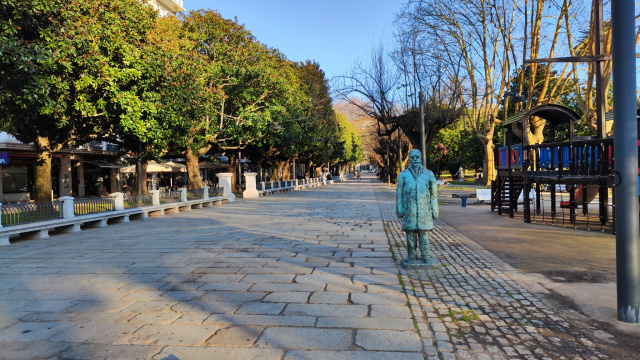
(551, 112)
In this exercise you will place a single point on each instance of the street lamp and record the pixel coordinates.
(422, 140)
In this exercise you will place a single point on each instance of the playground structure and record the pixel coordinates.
(573, 172)
(581, 168)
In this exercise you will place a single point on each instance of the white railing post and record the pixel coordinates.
(224, 181)
(119, 201)
(205, 192)
(155, 197)
(250, 182)
(183, 194)
(67, 207)
(4, 240)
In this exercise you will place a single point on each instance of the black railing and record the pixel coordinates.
(137, 200)
(85, 206)
(167, 197)
(16, 214)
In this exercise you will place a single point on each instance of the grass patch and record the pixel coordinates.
(464, 315)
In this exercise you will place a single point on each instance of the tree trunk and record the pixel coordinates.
(193, 171)
(286, 171)
(490, 171)
(310, 170)
(275, 166)
(233, 169)
(143, 179)
(43, 170)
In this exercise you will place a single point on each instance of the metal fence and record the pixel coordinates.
(85, 206)
(137, 200)
(195, 194)
(169, 197)
(16, 214)
(216, 191)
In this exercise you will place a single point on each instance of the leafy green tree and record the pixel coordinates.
(69, 71)
(352, 149)
(258, 86)
(320, 129)
(308, 129)
(178, 75)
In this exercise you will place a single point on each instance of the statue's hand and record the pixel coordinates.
(399, 215)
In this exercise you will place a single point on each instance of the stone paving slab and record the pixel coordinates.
(310, 274)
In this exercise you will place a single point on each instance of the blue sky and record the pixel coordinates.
(333, 33)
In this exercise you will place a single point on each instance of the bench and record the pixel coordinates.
(442, 183)
(464, 197)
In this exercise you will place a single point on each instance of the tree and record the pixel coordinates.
(352, 149)
(185, 96)
(470, 42)
(69, 71)
(365, 127)
(258, 84)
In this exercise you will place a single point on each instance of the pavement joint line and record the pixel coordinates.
(307, 274)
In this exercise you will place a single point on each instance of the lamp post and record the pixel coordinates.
(626, 159)
(239, 170)
(422, 140)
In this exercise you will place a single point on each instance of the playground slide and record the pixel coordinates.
(592, 191)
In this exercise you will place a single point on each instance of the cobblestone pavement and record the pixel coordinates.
(468, 307)
(309, 274)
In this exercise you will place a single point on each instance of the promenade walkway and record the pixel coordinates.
(310, 274)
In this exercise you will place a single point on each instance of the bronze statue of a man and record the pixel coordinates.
(417, 206)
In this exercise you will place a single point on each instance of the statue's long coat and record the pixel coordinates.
(417, 199)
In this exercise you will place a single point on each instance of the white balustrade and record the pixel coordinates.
(224, 181)
(250, 191)
(119, 200)
(155, 197)
(183, 194)
(67, 207)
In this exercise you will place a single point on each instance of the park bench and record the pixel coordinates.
(463, 196)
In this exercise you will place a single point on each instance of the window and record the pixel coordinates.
(15, 179)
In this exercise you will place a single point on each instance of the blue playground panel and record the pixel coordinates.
(545, 157)
(504, 154)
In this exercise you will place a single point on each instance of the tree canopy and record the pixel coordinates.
(73, 71)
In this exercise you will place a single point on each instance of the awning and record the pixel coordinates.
(103, 164)
(155, 167)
